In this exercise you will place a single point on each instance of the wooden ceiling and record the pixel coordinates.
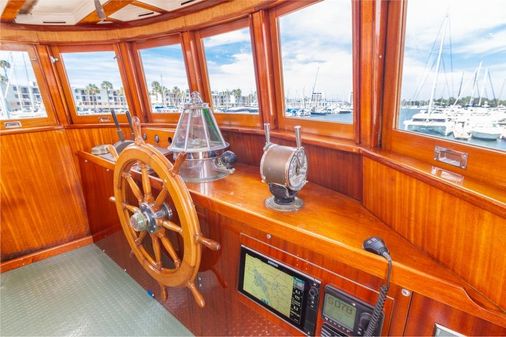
(83, 12)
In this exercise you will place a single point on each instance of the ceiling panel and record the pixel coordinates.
(131, 12)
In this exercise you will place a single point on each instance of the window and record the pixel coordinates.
(95, 86)
(231, 72)
(316, 57)
(454, 74)
(17, 76)
(165, 77)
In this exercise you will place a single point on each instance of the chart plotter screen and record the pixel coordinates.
(273, 285)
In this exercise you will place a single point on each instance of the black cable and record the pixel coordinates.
(378, 308)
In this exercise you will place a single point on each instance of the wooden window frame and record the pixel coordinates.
(483, 164)
(168, 40)
(323, 128)
(103, 119)
(40, 73)
(228, 119)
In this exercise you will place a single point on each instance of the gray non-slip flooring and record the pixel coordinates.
(80, 293)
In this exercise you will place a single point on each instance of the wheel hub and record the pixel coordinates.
(145, 218)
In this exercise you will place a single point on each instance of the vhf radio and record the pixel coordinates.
(344, 315)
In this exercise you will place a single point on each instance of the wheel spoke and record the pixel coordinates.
(157, 251)
(146, 183)
(140, 238)
(131, 208)
(167, 224)
(133, 186)
(168, 247)
(160, 199)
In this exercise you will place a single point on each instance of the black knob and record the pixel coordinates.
(313, 292)
(365, 318)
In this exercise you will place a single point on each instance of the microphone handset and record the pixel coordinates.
(377, 246)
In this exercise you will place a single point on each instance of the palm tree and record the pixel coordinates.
(177, 95)
(5, 65)
(157, 89)
(92, 90)
(107, 86)
(237, 94)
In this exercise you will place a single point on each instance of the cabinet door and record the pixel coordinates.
(425, 313)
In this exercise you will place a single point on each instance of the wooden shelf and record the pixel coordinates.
(334, 225)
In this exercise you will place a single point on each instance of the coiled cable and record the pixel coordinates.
(378, 308)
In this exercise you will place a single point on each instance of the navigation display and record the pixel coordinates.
(273, 287)
(279, 288)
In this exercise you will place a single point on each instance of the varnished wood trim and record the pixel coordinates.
(483, 164)
(287, 123)
(149, 7)
(415, 273)
(44, 254)
(29, 130)
(110, 7)
(66, 93)
(476, 192)
(11, 10)
(37, 56)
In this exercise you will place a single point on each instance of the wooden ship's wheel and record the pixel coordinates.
(153, 218)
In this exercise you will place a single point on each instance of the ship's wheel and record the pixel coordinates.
(149, 221)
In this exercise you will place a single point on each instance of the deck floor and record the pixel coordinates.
(80, 293)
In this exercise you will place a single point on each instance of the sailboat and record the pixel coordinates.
(433, 120)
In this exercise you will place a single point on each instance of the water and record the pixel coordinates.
(337, 118)
(500, 144)
(406, 114)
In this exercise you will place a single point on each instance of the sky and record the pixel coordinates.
(318, 40)
(316, 49)
(84, 68)
(18, 73)
(230, 61)
(165, 65)
(475, 32)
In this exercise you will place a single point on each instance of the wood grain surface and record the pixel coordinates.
(330, 221)
(467, 239)
(42, 200)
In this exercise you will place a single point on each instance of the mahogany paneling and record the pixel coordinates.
(334, 276)
(44, 254)
(83, 139)
(102, 214)
(331, 222)
(466, 238)
(42, 200)
(11, 10)
(227, 312)
(110, 7)
(337, 170)
(424, 313)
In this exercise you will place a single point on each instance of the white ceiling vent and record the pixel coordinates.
(131, 12)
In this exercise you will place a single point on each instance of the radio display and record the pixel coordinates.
(340, 311)
(279, 288)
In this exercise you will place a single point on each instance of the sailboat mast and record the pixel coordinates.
(476, 75)
(438, 63)
(460, 90)
(482, 90)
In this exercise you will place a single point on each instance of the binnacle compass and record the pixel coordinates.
(284, 169)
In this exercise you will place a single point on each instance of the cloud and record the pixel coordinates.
(92, 67)
(241, 35)
(169, 70)
(476, 32)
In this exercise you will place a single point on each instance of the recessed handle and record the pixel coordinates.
(12, 124)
